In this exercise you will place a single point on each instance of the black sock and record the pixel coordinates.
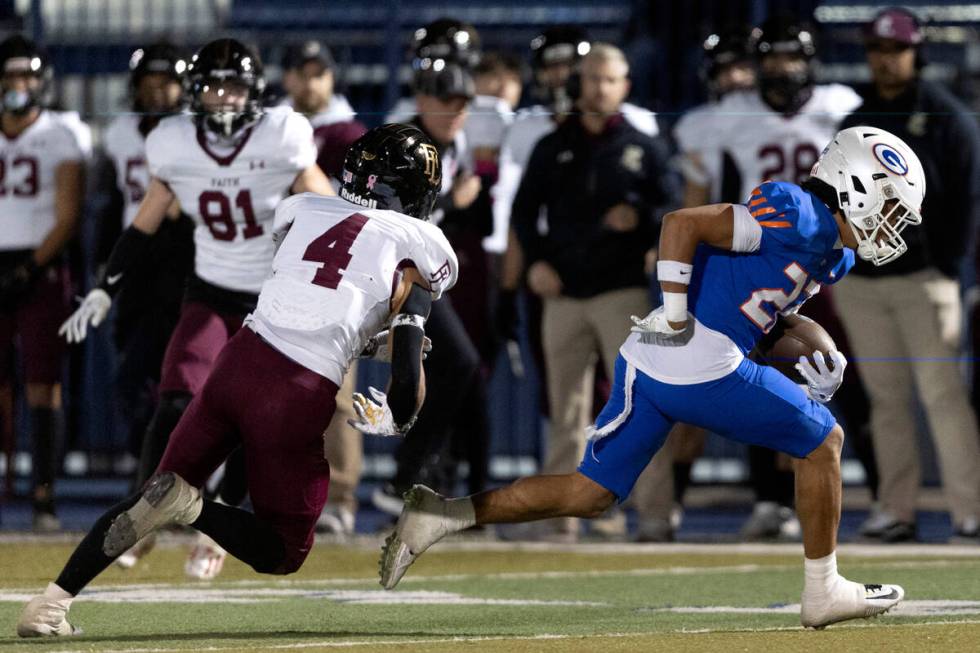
(682, 478)
(234, 484)
(243, 535)
(88, 560)
(169, 411)
(44, 461)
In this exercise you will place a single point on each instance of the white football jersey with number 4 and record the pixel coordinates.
(28, 164)
(768, 146)
(334, 274)
(232, 194)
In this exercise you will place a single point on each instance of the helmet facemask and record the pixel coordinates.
(878, 232)
(225, 119)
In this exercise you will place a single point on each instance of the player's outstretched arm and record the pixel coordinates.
(312, 180)
(128, 250)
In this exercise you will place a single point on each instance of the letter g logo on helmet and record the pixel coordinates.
(891, 159)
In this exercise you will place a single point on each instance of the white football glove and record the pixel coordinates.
(374, 417)
(377, 347)
(92, 311)
(654, 329)
(821, 381)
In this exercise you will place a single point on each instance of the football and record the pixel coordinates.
(792, 337)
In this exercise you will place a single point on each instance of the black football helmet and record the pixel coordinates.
(159, 58)
(394, 167)
(446, 39)
(219, 61)
(722, 49)
(19, 55)
(783, 34)
(559, 44)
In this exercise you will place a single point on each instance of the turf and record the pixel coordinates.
(499, 599)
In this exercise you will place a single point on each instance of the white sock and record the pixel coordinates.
(54, 592)
(461, 511)
(820, 574)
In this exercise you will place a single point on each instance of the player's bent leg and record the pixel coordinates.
(428, 517)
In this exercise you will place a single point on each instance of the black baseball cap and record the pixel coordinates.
(300, 54)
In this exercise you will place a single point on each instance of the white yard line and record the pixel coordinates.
(508, 638)
(507, 575)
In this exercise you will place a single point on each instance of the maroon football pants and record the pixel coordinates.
(277, 410)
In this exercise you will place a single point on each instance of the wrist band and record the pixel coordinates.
(675, 306)
(674, 271)
(408, 319)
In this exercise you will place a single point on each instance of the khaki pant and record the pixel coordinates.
(894, 331)
(573, 333)
(343, 447)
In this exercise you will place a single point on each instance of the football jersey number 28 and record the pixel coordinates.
(215, 209)
(787, 165)
(754, 306)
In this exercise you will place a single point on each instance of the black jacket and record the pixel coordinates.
(945, 136)
(572, 179)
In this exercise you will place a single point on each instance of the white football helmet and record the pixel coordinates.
(869, 167)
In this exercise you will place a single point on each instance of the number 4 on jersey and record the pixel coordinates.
(332, 250)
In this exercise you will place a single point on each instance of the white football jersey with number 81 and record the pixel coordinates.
(232, 195)
(334, 274)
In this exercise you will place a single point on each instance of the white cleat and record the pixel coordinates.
(46, 617)
(137, 552)
(167, 499)
(205, 560)
(849, 600)
(423, 522)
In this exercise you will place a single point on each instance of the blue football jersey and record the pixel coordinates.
(741, 294)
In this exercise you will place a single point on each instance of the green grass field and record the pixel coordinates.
(495, 597)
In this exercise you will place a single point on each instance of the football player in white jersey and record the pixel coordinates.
(728, 66)
(309, 79)
(147, 308)
(228, 164)
(776, 132)
(42, 160)
(345, 269)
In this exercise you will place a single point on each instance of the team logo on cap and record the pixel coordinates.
(891, 159)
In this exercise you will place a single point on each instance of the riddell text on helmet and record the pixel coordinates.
(357, 199)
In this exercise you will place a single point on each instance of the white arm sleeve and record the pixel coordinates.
(746, 232)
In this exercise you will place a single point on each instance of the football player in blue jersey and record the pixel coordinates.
(726, 271)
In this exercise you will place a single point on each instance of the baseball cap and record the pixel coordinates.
(894, 24)
(302, 53)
